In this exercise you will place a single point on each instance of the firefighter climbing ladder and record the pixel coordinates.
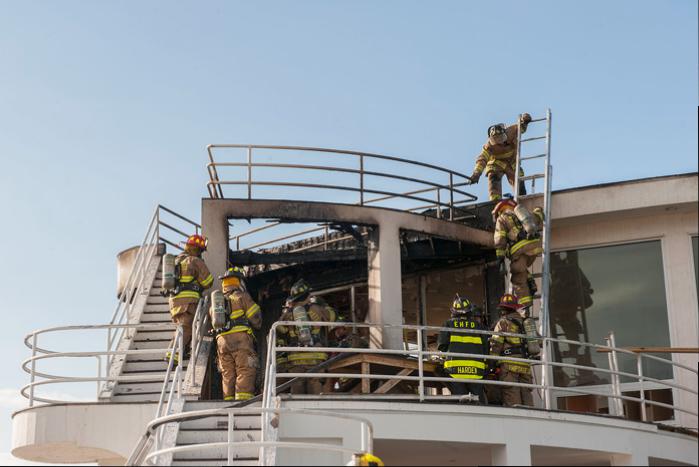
(545, 275)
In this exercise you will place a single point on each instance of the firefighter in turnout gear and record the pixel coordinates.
(464, 368)
(518, 239)
(192, 278)
(499, 157)
(235, 343)
(301, 307)
(508, 346)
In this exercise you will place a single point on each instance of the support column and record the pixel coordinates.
(384, 283)
(214, 225)
(628, 459)
(512, 453)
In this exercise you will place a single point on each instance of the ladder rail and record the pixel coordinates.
(544, 312)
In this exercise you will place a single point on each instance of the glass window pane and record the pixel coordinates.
(597, 290)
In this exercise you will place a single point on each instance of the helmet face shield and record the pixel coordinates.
(230, 282)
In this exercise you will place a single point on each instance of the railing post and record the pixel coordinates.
(325, 243)
(231, 437)
(617, 383)
(642, 392)
(451, 196)
(361, 179)
(181, 364)
(420, 366)
(439, 204)
(99, 373)
(249, 172)
(32, 376)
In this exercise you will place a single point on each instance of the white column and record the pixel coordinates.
(635, 458)
(515, 452)
(214, 225)
(384, 281)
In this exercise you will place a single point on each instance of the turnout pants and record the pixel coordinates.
(495, 181)
(519, 271)
(183, 315)
(461, 389)
(237, 362)
(516, 395)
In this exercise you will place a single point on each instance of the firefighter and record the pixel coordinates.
(235, 343)
(464, 368)
(511, 371)
(192, 278)
(499, 157)
(300, 307)
(512, 239)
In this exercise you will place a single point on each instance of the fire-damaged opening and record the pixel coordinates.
(333, 261)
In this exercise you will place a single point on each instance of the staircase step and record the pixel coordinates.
(141, 365)
(136, 397)
(241, 452)
(199, 435)
(157, 300)
(156, 318)
(157, 308)
(165, 334)
(214, 461)
(150, 344)
(156, 354)
(140, 387)
(220, 422)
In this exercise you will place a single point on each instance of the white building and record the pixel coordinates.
(623, 259)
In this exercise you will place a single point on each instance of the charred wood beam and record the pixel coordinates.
(248, 258)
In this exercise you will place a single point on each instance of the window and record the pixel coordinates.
(596, 290)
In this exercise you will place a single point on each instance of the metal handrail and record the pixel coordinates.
(140, 456)
(39, 353)
(137, 279)
(614, 394)
(214, 185)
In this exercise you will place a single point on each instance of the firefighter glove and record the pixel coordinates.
(475, 176)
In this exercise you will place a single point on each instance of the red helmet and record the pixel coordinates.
(501, 205)
(197, 240)
(509, 301)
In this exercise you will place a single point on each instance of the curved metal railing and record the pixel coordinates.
(614, 393)
(445, 180)
(102, 374)
(148, 448)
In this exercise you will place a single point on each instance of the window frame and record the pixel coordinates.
(605, 389)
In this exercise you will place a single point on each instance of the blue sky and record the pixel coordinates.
(106, 110)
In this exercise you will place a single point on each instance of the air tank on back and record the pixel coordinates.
(169, 280)
(218, 312)
(527, 219)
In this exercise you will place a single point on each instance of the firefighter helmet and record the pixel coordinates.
(368, 460)
(497, 134)
(232, 278)
(198, 241)
(509, 301)
(504, 204)
(299, 291)
(461, 306)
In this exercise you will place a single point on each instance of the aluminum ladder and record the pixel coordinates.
(544, 172)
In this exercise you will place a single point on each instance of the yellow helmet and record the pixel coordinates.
(232, 278)
(369, 460)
